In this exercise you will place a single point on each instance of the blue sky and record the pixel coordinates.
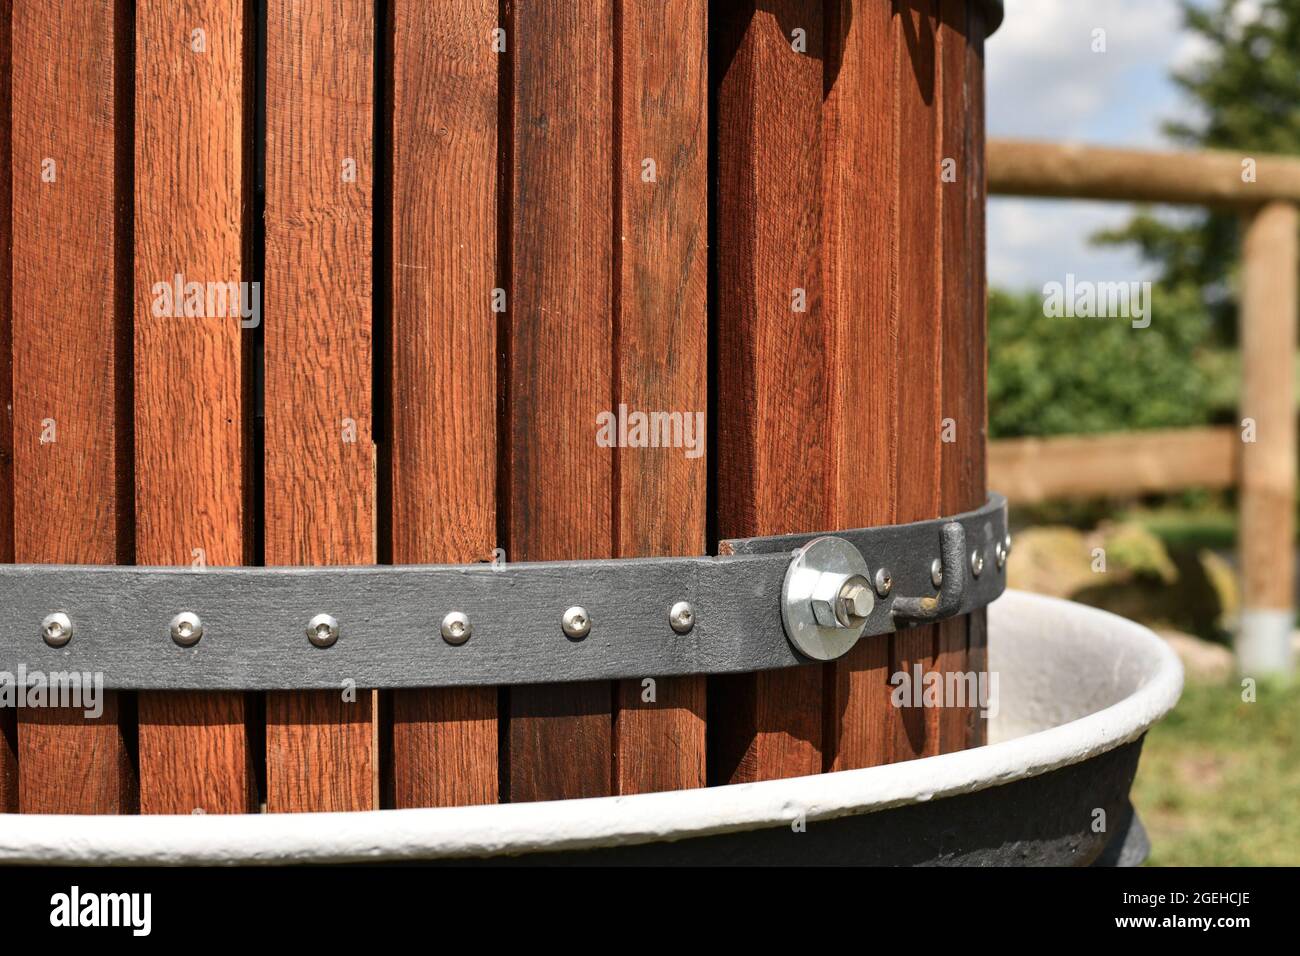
(1044, 81)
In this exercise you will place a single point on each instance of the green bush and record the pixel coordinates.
(1073, 376)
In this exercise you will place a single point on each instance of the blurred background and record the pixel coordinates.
(1220, 778)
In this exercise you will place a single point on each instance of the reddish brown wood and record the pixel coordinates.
(962, 342)
(917, 300)
(974, 464)
(8, 717)
(320, 458)
(775, 448)
(71, 348)
(661, 351)
(442, 356)
(861, 257)
(560, 346)
(190, 427)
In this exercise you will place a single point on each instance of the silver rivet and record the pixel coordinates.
(322, 630)
(681, 617)
(56, 629)
(455, 628)
(1006, 542)
(186, 629)
(936, 573)
(1000, 552)
(976, 562)
(884, 582)
(576, 622)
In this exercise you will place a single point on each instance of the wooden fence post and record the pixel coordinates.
(1268, 461)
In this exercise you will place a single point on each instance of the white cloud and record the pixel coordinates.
(1033, 241)
(1045, 82)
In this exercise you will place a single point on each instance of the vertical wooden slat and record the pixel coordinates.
(560, 348)
(320, 457)
(861, 266)
(190, 445)
(8, 717)
(975, 462)
(661, 350)
(442, 345)
(962, 400)
(71, 353)
(917, 299)
(774, 468)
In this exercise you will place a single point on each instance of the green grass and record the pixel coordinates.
(1219, 782)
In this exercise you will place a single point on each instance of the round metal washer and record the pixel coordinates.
(820, 556)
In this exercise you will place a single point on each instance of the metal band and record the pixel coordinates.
(390, 618)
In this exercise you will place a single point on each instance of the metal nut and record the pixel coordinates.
(56, 629)
(855, 602)
(837, 599)
(322, 630)
(936, 573)
(576, 622)
(456, 628)
(681, 617)
(884, 583)
(186, 629)
(976, 562)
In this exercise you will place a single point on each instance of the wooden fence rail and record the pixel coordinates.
(1260, 458)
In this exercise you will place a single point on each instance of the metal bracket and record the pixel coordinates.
(763, 603)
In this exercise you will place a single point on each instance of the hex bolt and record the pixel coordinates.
(855, 601)
(976, 562)
(681, 617)
(836, 596)
(186, 629)
(322, 630)
(456, 628)
(56, 629)
(936, 573)
(576, 622)
(884, 583)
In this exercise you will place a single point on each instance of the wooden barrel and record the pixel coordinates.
(468, 243)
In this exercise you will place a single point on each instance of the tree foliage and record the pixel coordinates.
(1246, 91)
(1053, 376)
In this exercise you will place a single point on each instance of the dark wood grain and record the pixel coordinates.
(661, 351)
(974, 462)
(8, 716)
(442, 356)
(560, 346)
(775, 470)
(321, 748)
(962, 400)
(71, 354)
(861, 253)
(918, 297)
(190, 375)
